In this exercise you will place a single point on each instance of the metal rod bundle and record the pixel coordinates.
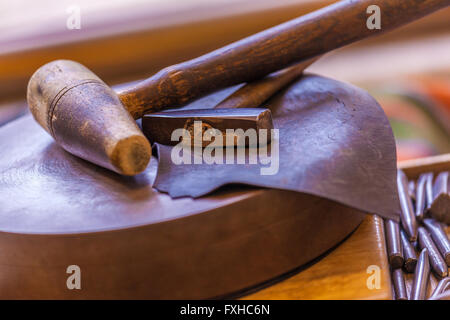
(420, 230)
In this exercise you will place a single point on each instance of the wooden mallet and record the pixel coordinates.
(90, 120)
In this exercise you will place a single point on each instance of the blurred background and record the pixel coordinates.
(407, 71)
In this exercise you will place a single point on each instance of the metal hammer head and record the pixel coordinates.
(159, 127)
(86, 117)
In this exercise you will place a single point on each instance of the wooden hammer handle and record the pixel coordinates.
(255, 93)
(273, 49)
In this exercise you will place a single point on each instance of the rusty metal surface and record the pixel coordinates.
(334, 142)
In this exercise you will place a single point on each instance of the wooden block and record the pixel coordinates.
(132, 242)
(342, 273)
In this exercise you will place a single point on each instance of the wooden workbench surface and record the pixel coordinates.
(342, 273)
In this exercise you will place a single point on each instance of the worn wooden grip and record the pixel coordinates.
(270, 50)
(86, 118)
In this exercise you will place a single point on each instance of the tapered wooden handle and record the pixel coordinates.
(270, 50)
